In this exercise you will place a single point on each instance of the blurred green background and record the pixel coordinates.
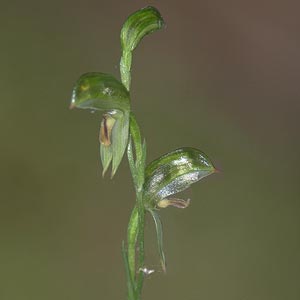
(223, 77)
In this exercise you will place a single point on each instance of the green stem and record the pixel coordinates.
(135, 231)
(140, 279)
(132, 233)
(125, 66)
(130, 287)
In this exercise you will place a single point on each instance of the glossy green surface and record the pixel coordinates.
(120, 134)
(174, 172)
(138, 25)
(136, 153)
(100, 91)
(222, 77)
(167, 175)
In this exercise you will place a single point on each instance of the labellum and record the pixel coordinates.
(175, 202)
(107, 124)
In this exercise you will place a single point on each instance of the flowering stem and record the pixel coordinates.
(132, 233)
(135, 230)
(125, 65)
(165, 176)
(141, 223)
(134, 29)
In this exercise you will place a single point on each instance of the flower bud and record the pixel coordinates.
(137, 25)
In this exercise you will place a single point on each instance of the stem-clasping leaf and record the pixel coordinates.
(99, 91)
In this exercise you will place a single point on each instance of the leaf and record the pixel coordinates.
(136, 137)
(131, 162)
(173, 173)
(141, 165)
(132, 235)
(130, 283)
(139, 150)
(138, 25)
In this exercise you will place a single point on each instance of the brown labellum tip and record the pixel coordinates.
(107, 124)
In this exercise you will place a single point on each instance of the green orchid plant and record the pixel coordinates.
(157, 183)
